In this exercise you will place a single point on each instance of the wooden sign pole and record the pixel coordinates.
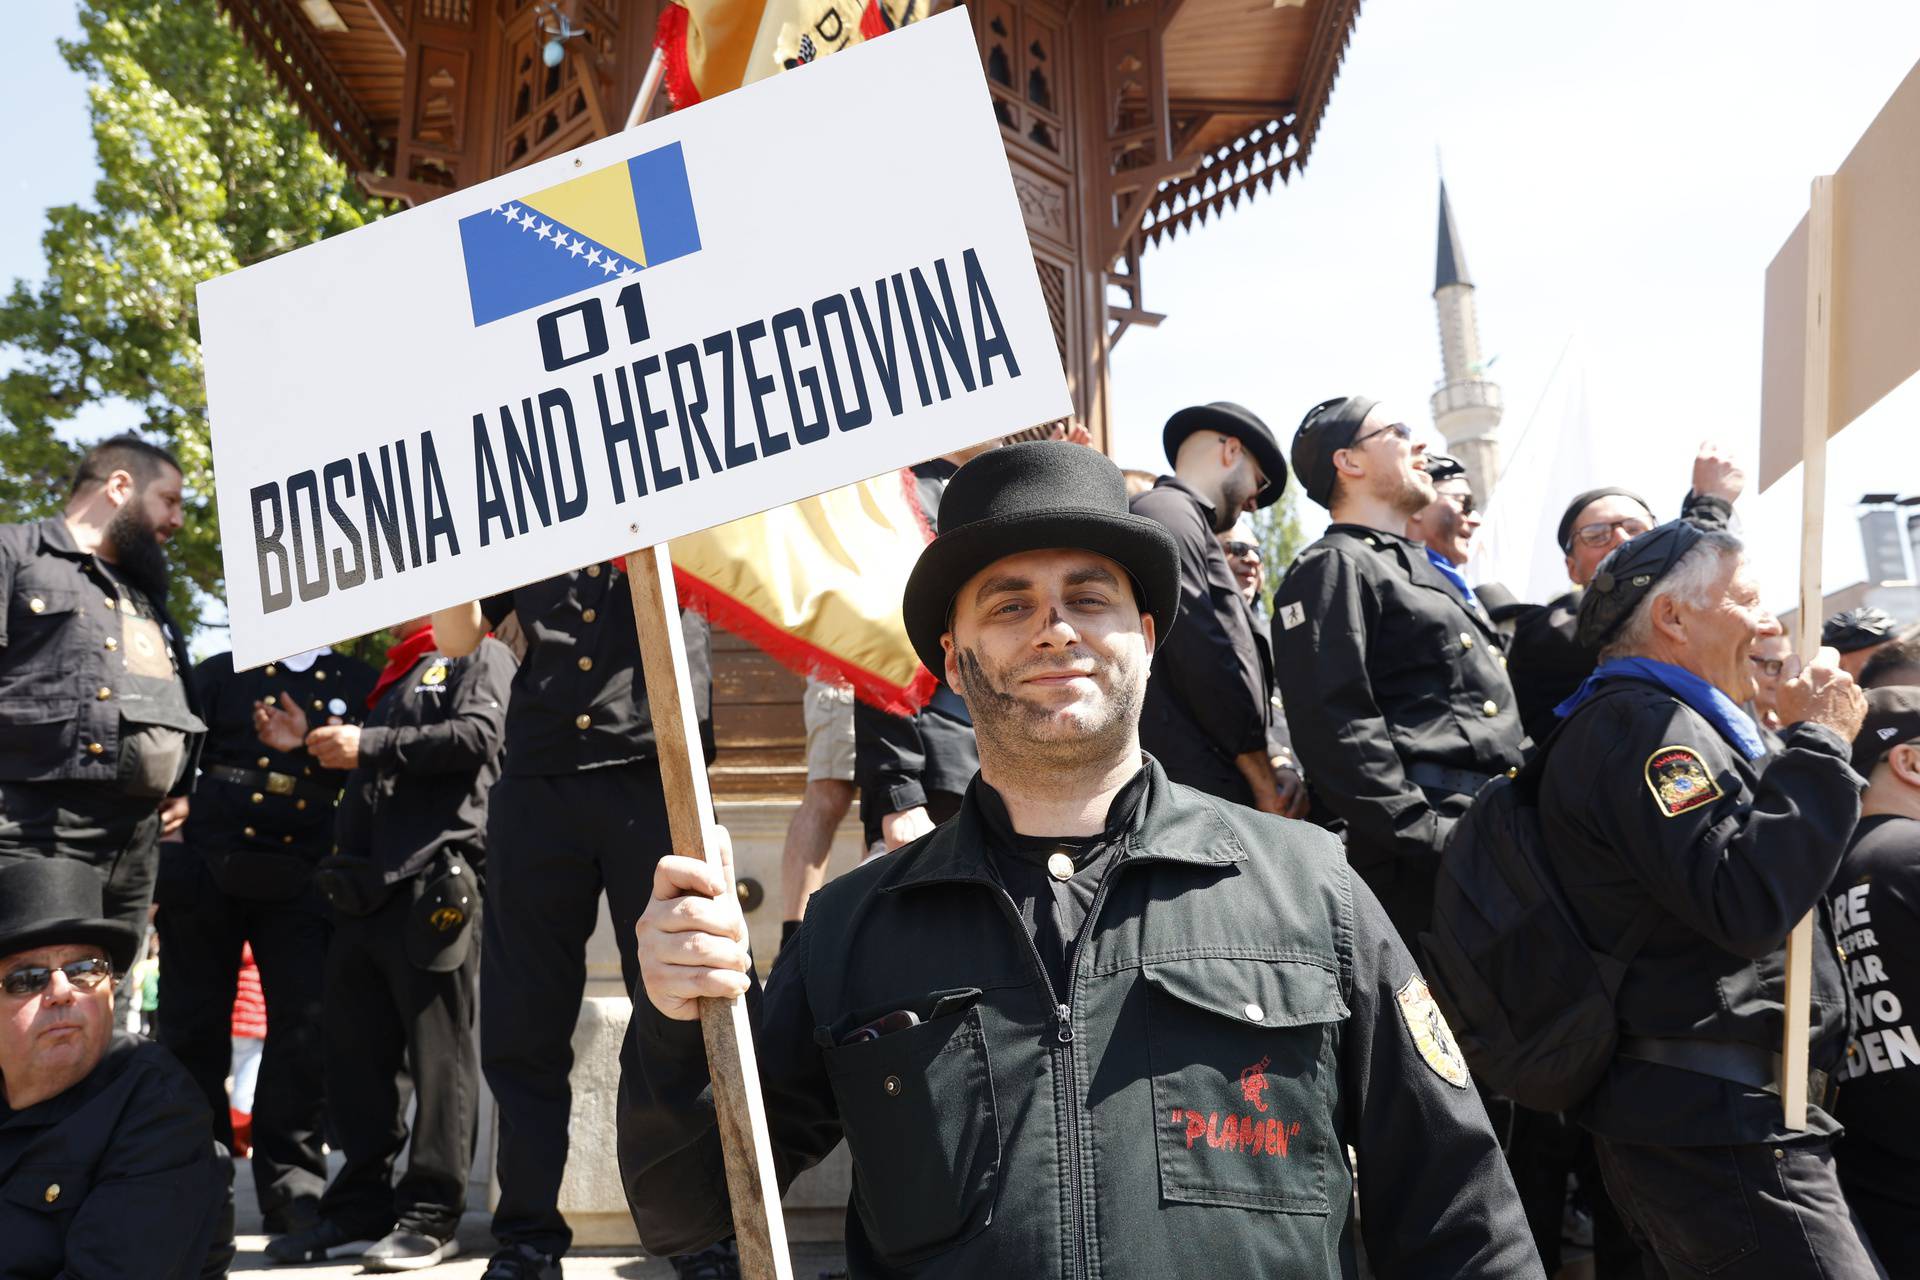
(757, 1221)
(1816, 415)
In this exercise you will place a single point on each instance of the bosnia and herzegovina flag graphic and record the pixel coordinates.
(597, 227)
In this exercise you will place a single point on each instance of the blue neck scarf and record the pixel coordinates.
(1735, 725)
(1445, 566)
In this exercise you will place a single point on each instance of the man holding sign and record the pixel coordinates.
(1098, 1022)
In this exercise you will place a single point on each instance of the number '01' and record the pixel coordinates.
(593, 321)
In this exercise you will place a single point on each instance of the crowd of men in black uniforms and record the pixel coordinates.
(351, 823)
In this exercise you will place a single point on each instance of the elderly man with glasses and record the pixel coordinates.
(1548, 662)
(107, 1160)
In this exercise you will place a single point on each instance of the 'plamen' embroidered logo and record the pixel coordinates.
(1267, 1137)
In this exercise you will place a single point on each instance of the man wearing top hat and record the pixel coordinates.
(409, 841)
(1205, 717)
(1688, 853)
(1099, 1023)
(107, 1160)
(1395, 687)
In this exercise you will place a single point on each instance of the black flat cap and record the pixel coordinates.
(1231, 420)
(1028, 497)
(1441, 466)
(1893, 718)
(1329, 427)
(1581, 501)
(1627, 576)
(1856, 629)
(54, 901)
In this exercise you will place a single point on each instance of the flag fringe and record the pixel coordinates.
(670, 37)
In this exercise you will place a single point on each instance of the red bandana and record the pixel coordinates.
(400, 660)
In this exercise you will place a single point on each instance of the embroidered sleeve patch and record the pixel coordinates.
(1291, 616)
(1680, 780)
(1431, 1034)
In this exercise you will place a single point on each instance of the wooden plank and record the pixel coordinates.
(741, 1113)
(1816, 413)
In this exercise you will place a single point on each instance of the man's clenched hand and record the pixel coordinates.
(692, 936)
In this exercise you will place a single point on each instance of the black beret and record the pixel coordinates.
(1441, 466)
(1329, 427)
(1564, 536)
(1893, 718)
(1856, 629)
(1243, 425)
(1627, 576)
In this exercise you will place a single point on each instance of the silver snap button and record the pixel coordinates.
(1255, 1013)
(891, 1086)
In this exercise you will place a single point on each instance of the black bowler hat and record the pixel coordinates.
(1855, 629)
(1231, 420)
(439, 929)
(1329, 427)
(1028, 497)
(1893, 719)
(1627, 576)
(51, 901)
(1441, 466)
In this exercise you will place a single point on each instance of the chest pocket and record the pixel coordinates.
(919, 1115)
(48, 1188)
(1244, 1055)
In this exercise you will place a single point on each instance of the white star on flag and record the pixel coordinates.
(593, 257)
(611, 265)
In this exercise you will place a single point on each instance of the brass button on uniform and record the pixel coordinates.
(52, 1192)
(112, 603)
(319, 675)
(1513, 771)
(586, 664)
(37, 605)
(1466, 640)
(319, 705)
(891, 1086)
(112, 643)
(270, 668)
(248, 832)
(257, 797)
(94, 748)
(264, 762)
(299, 804)
(582, 721)
(593, 571)
(286, 839)
(588, 615)
(1489, 708)
(103, 694)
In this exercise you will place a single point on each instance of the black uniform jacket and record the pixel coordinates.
(429, 752)
(1547, 665)
(1876, 913)
(1644, 802)
(60, 658)
(1396, 692)
(1231, 1025)
(113, 1179)
(1207, 697)
(285, 804)
(579, 697)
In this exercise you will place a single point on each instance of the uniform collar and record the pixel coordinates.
(57, 538)
(1164, 826)
(1175, 482)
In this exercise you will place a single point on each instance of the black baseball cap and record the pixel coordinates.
(1893, 718)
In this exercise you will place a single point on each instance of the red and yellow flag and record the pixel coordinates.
(817, 583)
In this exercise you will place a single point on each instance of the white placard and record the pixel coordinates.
(811, 280)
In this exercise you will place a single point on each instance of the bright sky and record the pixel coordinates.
(1620, 172)
(1622, 175)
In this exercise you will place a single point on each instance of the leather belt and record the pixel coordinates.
(1434, 777)
(270, 782)
(1746, 1064)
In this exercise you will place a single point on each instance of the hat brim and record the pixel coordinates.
(120, 941)
(1141, 546)
(1264, 448)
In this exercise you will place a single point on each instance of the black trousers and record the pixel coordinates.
(554, 842)
(1759, 1210)
(91, 822)
(393, 1029)
(201, 932)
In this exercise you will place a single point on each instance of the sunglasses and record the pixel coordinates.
(1599, 535)
(1400, 429)
(1463, 501)
(1772, 666)
(32, 979)
(1240, 549)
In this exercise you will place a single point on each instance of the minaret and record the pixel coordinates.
(1467, 407)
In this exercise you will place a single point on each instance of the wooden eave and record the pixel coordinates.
(1247, 85)
(347, 83)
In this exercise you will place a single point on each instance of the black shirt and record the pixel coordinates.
(429, 753)
(1876, 916)
(1207, 696)
(78, 673)
(576, 701)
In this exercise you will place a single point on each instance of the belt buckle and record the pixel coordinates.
(280, 784)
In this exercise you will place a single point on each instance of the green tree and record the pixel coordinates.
(205, 167)
(1281, 539)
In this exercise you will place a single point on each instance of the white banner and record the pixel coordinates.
(674, 327)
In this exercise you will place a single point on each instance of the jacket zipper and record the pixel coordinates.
(1063, 1042)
